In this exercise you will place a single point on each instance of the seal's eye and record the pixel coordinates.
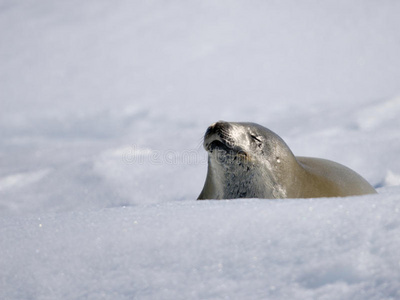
(256, 138)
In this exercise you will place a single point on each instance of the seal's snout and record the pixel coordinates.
(219, 137)
(217, 132)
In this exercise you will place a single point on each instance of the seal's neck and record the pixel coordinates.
(232, 181)
(211, 189)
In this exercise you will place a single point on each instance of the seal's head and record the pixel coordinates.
(245, 160)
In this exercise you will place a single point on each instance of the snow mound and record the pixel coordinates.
(337, 248)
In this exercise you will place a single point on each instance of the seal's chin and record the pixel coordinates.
(223, 146)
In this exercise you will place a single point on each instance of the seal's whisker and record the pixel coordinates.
(200, 143)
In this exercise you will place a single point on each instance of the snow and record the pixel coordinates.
(246, 249)
(103, 109)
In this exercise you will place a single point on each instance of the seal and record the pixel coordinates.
(247, 160)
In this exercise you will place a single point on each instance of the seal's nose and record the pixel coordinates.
(217, 127)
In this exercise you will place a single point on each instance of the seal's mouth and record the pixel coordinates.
(223, 146)
(218, 145)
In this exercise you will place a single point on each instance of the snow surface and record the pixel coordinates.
(103, 109)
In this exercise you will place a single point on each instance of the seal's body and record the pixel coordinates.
(246, 160)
